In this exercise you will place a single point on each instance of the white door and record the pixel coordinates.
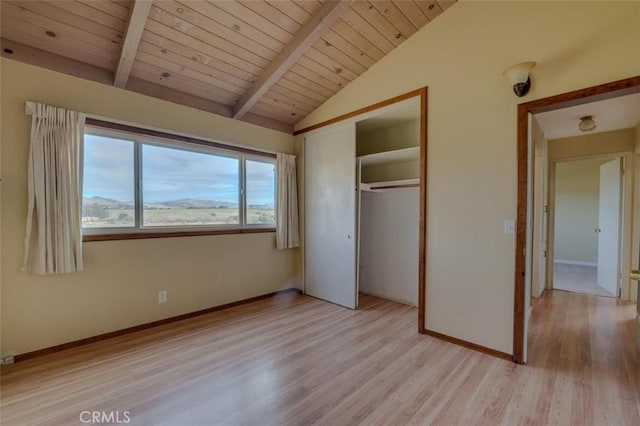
(330, 219)
(529, 239)
(538, 266)
(609, 226)
(358, 227)
(544, 250)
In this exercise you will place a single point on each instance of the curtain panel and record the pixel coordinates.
(287, 202)
(53, 240)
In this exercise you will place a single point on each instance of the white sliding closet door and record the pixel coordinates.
(330, 215)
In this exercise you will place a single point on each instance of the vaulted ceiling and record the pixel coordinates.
(266, 62)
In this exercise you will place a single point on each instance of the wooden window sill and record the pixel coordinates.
(171, 234)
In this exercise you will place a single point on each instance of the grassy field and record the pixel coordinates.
(179, 217)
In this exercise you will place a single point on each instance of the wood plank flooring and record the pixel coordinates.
(295, 360)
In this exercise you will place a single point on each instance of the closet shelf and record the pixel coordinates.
(390, 156)
(391, 184)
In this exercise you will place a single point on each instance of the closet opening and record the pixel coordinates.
(364, 201)
(388, 177)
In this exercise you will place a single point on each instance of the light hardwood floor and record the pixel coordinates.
(295, 360)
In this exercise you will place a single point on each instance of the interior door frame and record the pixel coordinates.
(624, 210)
(421, 94)
(578, 97)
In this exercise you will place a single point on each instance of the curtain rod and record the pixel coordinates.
(173, 136)
(159, 132)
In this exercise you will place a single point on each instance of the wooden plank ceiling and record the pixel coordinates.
(266, 62)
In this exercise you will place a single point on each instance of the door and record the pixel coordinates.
(544, 232)
(330, 215)
(529, 238)
(635, 276)
(358, 227)
(609, 226)
(540, 212)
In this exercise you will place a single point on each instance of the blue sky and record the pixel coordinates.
(108, 168)
(169, 174)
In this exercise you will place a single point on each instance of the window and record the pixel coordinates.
(260, 192)
(181, 188)
(143, 184)
(108, 185)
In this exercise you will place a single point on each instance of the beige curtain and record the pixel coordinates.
(53, 241)
(287, 200)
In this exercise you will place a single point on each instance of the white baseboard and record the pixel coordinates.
(574, 262)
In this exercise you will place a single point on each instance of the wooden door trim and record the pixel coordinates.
(422, 237)
(357, 112)
(578, 97)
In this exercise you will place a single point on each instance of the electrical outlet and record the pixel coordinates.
(6, 360)
(162, 296)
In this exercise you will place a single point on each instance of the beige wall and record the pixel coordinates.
(576, 211)
(119, 286)
(472, 134)
(592, 144)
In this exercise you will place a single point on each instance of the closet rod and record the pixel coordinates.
(407, 185)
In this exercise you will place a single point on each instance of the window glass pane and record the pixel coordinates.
(188, 188)
(108, 183)
(261, 179)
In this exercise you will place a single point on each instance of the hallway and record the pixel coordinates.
(587, 359)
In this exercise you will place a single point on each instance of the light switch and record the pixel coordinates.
(509, 227)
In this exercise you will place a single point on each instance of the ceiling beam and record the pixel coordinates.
(30, 55)
(304, 38)
(131, 39)
(41, 58)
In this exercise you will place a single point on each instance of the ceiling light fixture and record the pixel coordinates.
(586, 123)
(519, 77)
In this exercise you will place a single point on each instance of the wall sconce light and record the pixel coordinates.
(587, 123)
(519, 77)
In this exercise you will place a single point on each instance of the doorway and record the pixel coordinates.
(524, 255)
(587, 211)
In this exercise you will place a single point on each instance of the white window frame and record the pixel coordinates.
(139, 140)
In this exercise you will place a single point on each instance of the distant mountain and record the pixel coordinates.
(192, 203)
(107, 203)
(265, 206)
(185, 203)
